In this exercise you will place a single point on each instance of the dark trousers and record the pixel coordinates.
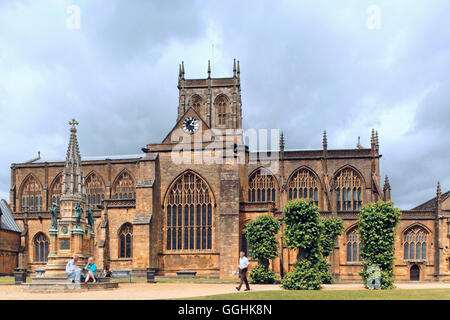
(243, 276)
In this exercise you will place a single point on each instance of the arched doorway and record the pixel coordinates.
(414, 273)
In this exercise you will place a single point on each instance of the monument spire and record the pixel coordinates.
(72, 174)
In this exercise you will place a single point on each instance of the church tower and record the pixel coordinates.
(216, 100)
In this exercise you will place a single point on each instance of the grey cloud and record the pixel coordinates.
(305, 67)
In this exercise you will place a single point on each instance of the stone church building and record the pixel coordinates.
(182, 203)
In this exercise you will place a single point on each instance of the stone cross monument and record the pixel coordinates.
(71, 233)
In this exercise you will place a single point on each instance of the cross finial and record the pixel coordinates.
(73, 123)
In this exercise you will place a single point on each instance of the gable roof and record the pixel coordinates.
(189, 112)
(431, 204)
(8, 222)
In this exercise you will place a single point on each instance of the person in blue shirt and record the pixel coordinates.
(91, 269)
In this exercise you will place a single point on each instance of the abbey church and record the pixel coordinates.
(181, 204)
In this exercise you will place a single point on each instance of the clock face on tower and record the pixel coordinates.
(191, 125)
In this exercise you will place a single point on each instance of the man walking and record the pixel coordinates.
(243, 267)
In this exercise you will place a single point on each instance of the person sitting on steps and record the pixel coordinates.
(91, 269)
(73, 271)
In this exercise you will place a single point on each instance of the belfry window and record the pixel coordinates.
(189, 213)
(415, 244)
(32, 193)
(261, 186)
(348, 190)
(221, 107)
(303, 184)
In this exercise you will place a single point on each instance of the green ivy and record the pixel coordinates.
(314, 238)
(262, 240)
(305, 276)
(377, 227)
(259, 274)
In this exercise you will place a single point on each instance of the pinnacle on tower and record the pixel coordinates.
(377, 144)
(359, 145)
(324, 140)
(438, 190)
(386, 186)
(238, 70)
(387, 189)
(72, 174)
(234, 68)
(282, 141)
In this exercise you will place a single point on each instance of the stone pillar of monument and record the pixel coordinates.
(71, 234)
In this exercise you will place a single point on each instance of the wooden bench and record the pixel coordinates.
(186, 274)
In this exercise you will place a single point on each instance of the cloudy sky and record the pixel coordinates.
(306, 66)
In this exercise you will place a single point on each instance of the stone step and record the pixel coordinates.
(58, 286)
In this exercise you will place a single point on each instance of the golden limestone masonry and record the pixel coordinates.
(181, 204)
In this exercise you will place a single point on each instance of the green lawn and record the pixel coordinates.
(395, 294)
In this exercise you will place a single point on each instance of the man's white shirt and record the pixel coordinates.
(243, 263)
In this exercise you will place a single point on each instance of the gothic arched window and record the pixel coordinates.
(31, 198)
(221, 107)
(261, 186)
(189, 212)
(55, 192)
(197, 103)
(303, 184)
(348, 190)
(94, 190)
(353, 245)
(415, 244)
(125, 240)
(124, 187)
(40, 243)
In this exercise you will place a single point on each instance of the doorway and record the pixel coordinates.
(414, 273)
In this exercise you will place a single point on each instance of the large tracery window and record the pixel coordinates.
(189, 213)
(348, 190)
(40, 242)
(221, 107)
(125, 240)
(124, 187)
(261, 186)
(415, 244)
(303, 184)
(32, 195)
(56, 190)
(94, 190)
(353, 245)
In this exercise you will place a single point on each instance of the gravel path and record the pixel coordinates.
(144, 291)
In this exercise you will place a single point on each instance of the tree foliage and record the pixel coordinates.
(262, 240)
(314, 238)
(377, 227)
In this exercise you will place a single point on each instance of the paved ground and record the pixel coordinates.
(144, 291)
